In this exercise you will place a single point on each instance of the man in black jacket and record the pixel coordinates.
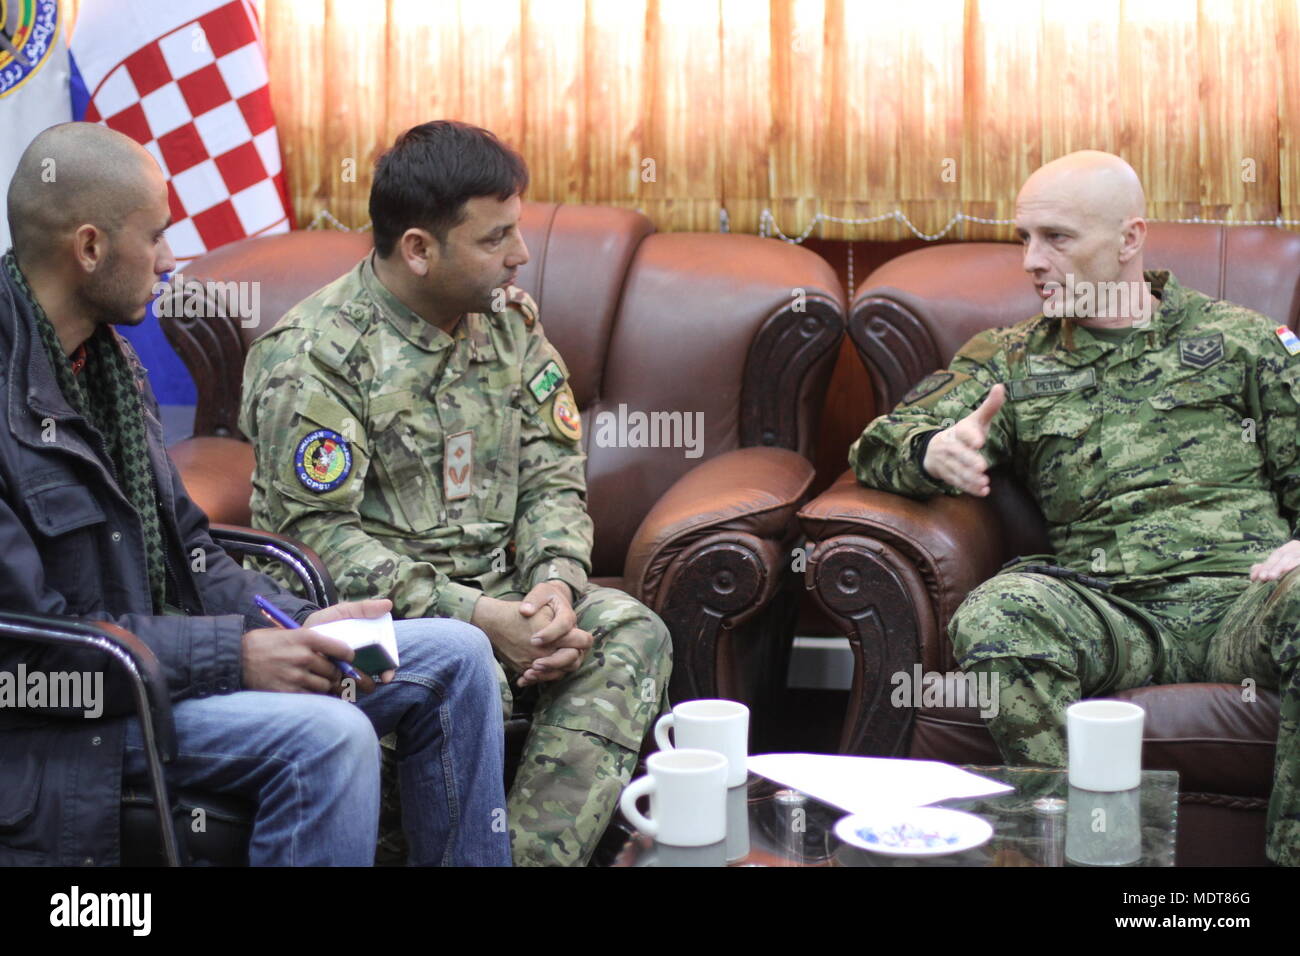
(95, 525)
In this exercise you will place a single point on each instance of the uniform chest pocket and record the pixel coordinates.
(1064, 417)
(1223, 384)
(404, 493)
(500, 487)
(1197, 424)
(1060, 452)
(69, 525)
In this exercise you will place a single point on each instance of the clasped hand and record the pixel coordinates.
(538, 636)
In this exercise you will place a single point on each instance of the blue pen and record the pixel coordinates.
(284, 620)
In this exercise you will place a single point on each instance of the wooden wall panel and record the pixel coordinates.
(1159, 98)
(555, 110)
(1238, 120)
(684, 125)
(615, 71)
(423, 80)
(297, 96)
(1003, 126)
(846, 108)
(355, 108)
(802, 131)
(1288, 107)
(747, 104)
(1080, 70)
(930, 86)
(862, 84)
(491, 64)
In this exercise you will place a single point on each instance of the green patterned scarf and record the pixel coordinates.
(105, 393)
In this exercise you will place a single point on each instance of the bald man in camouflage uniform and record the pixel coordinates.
(1160, 443)
(434, 457)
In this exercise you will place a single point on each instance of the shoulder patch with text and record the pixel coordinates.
(322, 461)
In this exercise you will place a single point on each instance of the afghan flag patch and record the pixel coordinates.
(545, 382)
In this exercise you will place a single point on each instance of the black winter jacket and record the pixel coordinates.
(72, 545)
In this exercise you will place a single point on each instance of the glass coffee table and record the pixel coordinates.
(770, 825)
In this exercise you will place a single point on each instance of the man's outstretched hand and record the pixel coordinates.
(953, 456)
(1278, 564)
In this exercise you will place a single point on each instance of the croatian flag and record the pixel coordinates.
(186, 79)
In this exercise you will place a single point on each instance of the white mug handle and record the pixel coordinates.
(662, 726)
(631, 794)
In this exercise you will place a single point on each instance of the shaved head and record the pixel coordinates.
(75, 174)
(88, 212)
(1082, 221)
(1103, 187)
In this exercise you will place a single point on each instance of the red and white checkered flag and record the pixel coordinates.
(187, 79)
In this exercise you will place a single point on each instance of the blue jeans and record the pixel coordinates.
(311, 762)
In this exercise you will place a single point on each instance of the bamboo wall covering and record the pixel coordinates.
(848, 108)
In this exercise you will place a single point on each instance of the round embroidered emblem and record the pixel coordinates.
(28, 33)
(323, 460)
(565, 414)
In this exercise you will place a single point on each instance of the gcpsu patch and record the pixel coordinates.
(323, 460)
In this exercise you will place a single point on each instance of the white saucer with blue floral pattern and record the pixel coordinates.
(914, 831)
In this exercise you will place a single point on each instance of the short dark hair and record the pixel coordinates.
(432, 170)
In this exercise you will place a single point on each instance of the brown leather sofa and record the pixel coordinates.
(742, 329)
(891, 571)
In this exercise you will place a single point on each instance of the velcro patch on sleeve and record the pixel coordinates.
(564, 413)
(1288, 339)
(322, 460)
(928, 385)
(545, 383)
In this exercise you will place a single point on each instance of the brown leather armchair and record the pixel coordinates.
(891, 571)
(742, 329)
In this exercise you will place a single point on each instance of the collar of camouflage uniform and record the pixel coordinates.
(419, 332)
(1059, 334)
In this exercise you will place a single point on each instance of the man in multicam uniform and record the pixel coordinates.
(1159, 441)
(414, 426)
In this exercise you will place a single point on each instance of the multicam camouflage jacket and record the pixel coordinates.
(418, 464)
(1171, 452)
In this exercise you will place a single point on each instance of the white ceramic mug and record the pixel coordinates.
(688, 798)
(718, 725)
(1105, 745)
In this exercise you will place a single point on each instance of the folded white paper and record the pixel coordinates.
(358, 632)
(861, 784)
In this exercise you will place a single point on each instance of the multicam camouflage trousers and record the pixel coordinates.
(586, 731)
(1047, 645)
(585, 736)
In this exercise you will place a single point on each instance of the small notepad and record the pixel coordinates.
(362, 632)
